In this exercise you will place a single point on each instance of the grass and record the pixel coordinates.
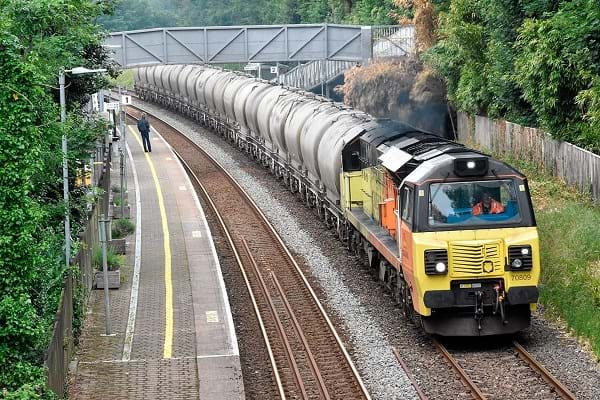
(122, 228)
(569, 228)
(114, 261)
(125, 79)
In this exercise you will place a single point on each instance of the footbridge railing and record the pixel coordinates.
(242, 44)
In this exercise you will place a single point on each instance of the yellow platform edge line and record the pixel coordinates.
(168, 344)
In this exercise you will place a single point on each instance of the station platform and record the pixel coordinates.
(172, 331)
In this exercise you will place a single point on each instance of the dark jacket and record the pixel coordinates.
(143, 125)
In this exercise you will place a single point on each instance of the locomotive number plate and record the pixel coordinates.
(521, 277)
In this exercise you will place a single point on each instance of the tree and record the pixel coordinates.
(534, 62)
(36, 40)
(558, 68)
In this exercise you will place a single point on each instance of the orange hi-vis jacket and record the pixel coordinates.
(495, 207)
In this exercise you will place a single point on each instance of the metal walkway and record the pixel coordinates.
(241, 44)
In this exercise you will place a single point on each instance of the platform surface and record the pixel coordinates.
(173, 332)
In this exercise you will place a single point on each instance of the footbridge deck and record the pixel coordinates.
(241, 44)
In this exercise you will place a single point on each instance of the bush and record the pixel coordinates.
(121, 228)
(533, 63)
(559, 71)
(31, 205)
(114, 261)
(118, 200)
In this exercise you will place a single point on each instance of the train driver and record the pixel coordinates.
(488, 205)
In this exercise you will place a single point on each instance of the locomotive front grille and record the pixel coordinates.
(469, 259)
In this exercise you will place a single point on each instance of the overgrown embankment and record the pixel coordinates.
(37, 40)
(569, 229)
(124, 80)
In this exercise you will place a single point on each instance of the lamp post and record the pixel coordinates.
(63, 119)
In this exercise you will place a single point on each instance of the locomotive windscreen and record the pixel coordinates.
(473, 203)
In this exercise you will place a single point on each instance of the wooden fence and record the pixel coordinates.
(60, 351)
(61, 347)
(577, 167)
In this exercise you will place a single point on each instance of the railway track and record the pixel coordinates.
(308, 358)
(477, 370)
(492, 374)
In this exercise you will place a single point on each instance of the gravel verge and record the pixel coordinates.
(363, 312)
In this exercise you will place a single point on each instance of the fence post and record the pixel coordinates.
(102, 223)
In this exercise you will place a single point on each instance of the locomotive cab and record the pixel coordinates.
(474, 267)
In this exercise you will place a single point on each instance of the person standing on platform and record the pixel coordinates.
(144, 128)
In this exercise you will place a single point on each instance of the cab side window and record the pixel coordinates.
(407, 205)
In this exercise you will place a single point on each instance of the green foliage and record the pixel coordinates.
(37, 38)
(122, 228)
(375, 12)
(140, 14)
(534, 62)
(118, 200)
(314, 11)
(113, 261)
(558, 69)
(569, 228)
(29, 391)
(124, 80)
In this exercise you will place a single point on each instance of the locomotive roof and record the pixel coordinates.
(442, 167)
(430, 157)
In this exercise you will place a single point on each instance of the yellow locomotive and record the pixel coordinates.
(450, 231)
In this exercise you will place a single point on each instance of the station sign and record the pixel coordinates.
(275, 70)
(112, 106)
(252, 67)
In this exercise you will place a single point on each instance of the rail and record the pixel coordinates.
(464, 377)
(420, 394)
(544, 373)
(537, 368)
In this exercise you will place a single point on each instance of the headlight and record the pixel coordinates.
(440, 267)
(436, 262)
(520, 258)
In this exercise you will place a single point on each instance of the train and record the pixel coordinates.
(450, 231)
